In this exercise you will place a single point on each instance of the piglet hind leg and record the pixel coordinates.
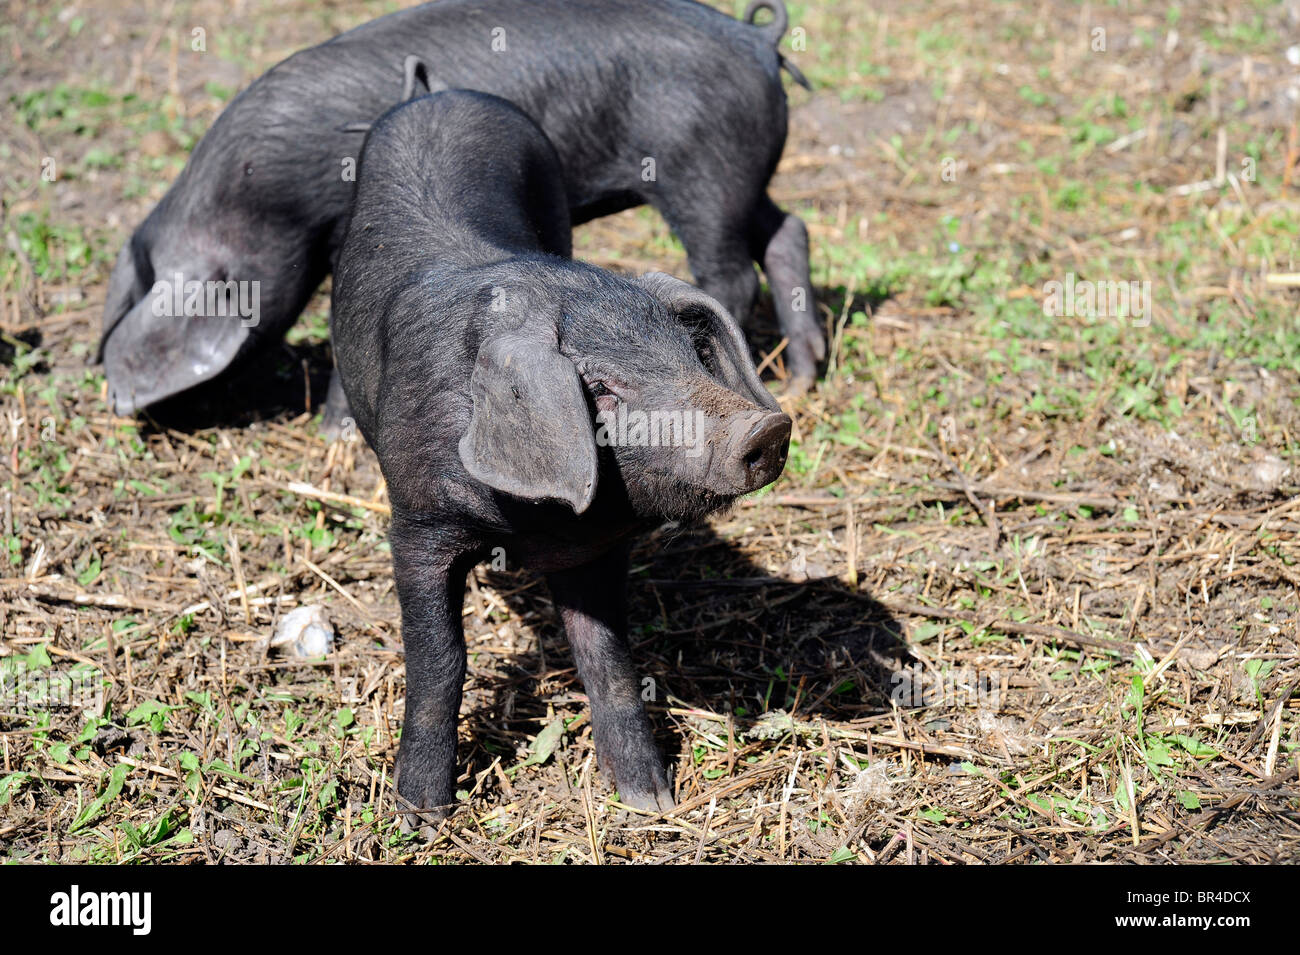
(592, 601)
(779, 241)
(722, 251)
(430, 576)
(337, 414)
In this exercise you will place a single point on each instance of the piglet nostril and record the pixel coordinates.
(764, 449)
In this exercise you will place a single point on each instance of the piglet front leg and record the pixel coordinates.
(592, 600)
(430, 577)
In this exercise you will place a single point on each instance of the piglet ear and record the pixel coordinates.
(718, 339)
(531, 432)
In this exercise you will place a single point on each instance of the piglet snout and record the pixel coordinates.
(758, 450)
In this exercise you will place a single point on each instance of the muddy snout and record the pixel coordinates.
(754, 452)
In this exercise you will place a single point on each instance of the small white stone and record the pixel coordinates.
(1270, 471)
(304, 632)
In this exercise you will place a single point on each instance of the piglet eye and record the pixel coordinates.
(602, 392)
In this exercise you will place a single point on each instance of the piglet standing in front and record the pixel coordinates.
(490, 374)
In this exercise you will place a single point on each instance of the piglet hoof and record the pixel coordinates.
(422, 807)
(419, 824)
(336, 417)
(329, 431)
(796, 386)
(336, 424)
(650, 795)
(647, 801)
(812, 334)
(804, 353)
(422, 822)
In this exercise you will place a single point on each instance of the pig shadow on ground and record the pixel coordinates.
(711, 629)
(285, 380)
(18, 343)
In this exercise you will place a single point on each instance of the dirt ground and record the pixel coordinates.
(1026, 593)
